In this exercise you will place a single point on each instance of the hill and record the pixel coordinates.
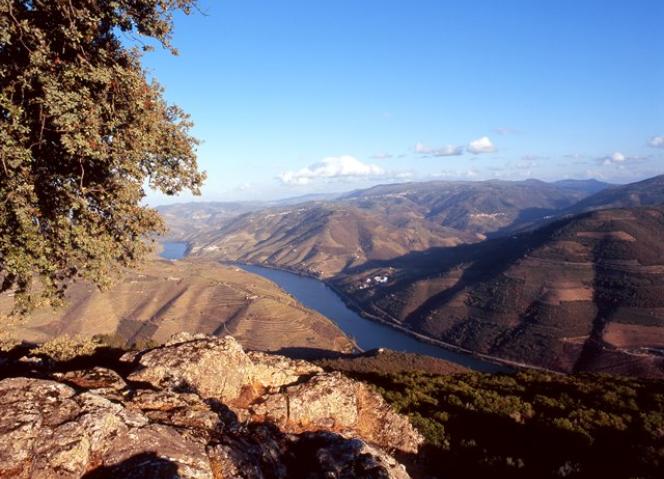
(475, 206)
(386, 361)
(167, 297)
(185, 220)
(583, 293)
(588, 187)
(323, 238)
(643, 193)
(529, 424)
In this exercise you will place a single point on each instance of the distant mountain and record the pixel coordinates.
(326, 237)
(185, 220)
(643, 193)
(583, 293)
(295, 200)
(473, 206)
(588, 187)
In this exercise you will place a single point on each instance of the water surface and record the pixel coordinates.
(315, 294)
(174, 249)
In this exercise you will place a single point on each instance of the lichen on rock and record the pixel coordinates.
(199, 407)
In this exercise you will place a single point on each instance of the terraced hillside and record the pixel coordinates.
(584, 293)
(324, 238)
(169, 297)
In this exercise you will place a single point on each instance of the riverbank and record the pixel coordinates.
(351, 304)
(386, 320)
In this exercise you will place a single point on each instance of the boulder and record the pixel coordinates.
(214, 368)
(296, 395)
(48, 430)
(199, 407)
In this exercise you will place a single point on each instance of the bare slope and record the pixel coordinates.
(326, 237)
(475, 206)
(168, 297)
(585, 293)
(323, 238)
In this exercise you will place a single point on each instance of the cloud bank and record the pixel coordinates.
(613, 158)
(336, 167)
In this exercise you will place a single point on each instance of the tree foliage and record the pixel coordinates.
(82, 132)
(529, 424)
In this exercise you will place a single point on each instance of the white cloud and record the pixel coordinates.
(619, 159)
(245, 186)
(481, 145)
(447, 150)
(331, 168)
(657, 142)
(615, 158)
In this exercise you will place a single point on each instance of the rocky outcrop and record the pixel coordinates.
(199, 407)
(49, 430)
(295, 395)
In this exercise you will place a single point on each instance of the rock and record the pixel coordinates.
(345, 459)
(265, 453)
(102, 380)
(214, 368)
(199, 408)
(47, 430)
(175, 409)
(253, 452)
(272, 371)
(296, 395)
(333, 402)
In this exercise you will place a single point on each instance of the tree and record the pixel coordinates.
(82, 133)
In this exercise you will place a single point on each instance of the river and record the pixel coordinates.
(368, 334)
(316, 295)
(173, 249)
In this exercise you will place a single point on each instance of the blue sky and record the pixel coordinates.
(294, 97)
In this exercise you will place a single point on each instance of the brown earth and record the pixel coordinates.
(165, 297)
(580, 294)
(323, 238)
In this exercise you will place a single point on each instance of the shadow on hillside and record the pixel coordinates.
(19, 361)
(527, 220)
(147, 465)
(481, 262)
(311, 354)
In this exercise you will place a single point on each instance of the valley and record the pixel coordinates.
(565, 276)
